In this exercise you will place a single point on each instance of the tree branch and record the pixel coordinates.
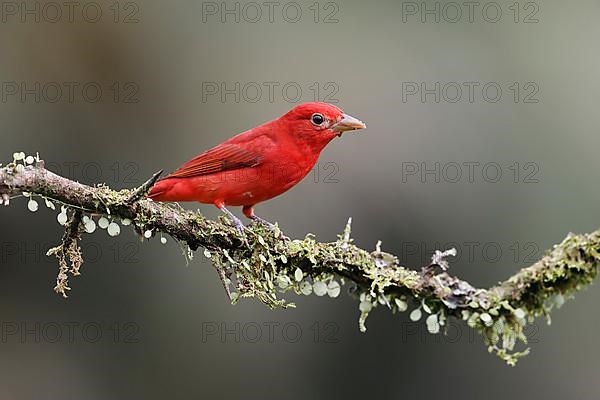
(269, 265)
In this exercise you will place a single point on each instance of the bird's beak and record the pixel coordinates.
(348, 123)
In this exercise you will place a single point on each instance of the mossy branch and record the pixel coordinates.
(269, 264)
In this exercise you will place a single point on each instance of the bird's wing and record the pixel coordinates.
(225, 157)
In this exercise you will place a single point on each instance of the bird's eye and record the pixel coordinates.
(317, 119)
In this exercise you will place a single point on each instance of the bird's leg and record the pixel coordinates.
(236, 222)
(249, 212)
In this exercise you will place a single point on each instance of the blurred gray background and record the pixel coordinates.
(501, 177)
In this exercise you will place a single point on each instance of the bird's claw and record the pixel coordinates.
(239, 226)
(243, 236)
(274, 228)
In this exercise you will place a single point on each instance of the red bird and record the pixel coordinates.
(258, 164)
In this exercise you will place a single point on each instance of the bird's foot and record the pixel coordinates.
(262, 221)
(274, 228)
(239, 226)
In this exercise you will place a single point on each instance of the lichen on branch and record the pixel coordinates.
(269, 264)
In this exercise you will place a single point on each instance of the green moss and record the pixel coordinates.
(269, 267)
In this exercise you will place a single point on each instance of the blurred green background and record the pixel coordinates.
(423, 176)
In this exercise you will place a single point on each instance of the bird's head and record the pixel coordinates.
(319, 123)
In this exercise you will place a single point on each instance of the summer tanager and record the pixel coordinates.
(258, 164)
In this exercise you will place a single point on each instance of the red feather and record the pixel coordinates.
(224, 157)
(255, 165)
